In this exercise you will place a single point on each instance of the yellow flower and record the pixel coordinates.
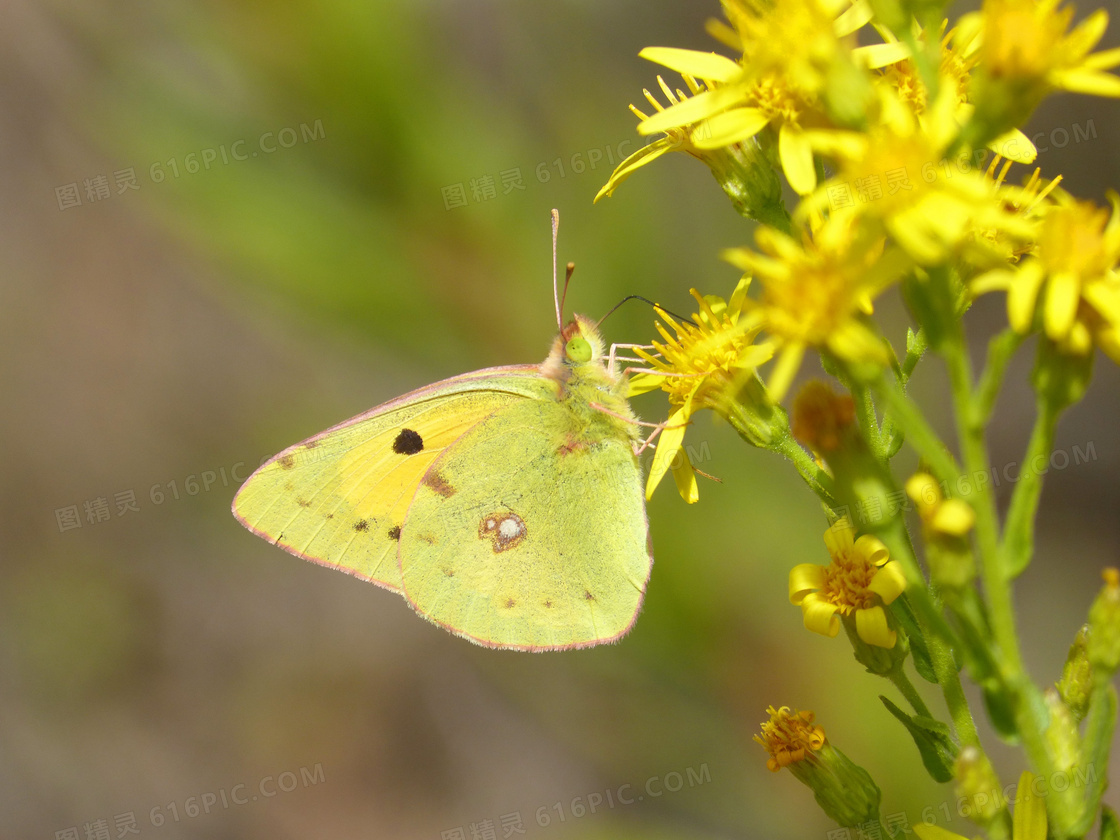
(789, 736)
(1072, 275)
(860, 580)
(789, 54)
(816, 292)
(950, 517)
(1027, 43)
(1028, 821)
(705, 362)
(1028, 202)
(675, 139)
(897, 174)
(955, 71)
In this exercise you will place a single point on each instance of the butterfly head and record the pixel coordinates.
(578, 351)
(581, 342)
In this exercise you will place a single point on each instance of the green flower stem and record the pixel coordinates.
(818, 480)
(975, 453)
(1018, 535)
(902, 682)
(939, 636)
(949, 678)
(909, 418)
(1000, 350)
(766, 425)
(1031, 718)
(868, 421)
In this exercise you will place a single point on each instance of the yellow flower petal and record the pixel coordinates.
(1022, 296)
(640, 158)
(875, 56)
(729, 127)
(685, 477)
(702, 65)
(889, 582)
(839, 538)
(1091, 82)
(854, 17)
(872, 627)
(643, 383)
(693, 109)
(781, 376)
(820, 616)
(667, 446)
(954, 517)
(1014, 145)
(1029, 817)
(935, 832)
(803, 579)
(872, 549)
(853, 341)
(797, 159)
(996, 280)
(1062, 294)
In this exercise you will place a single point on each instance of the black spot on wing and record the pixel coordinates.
(587, 596)
(287, 462)
(408, 442)
(303, 503)
(361, 525)
(395, 532)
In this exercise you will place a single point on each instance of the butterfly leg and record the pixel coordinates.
(613, 357)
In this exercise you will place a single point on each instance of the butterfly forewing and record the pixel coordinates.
(340, 497)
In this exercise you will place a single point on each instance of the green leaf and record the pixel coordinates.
(933, 739)
(1001, 711)
(923, 663)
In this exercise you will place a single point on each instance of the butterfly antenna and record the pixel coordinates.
(569, 270)
(555, 289)
(646, 300)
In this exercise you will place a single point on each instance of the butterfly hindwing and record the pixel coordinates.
(519, 538)
(340, 498)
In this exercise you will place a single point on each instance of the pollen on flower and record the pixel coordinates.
(789, 736)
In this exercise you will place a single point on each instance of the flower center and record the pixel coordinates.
(789, 736)
(846, 582)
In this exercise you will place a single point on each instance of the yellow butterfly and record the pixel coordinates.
(506, 505)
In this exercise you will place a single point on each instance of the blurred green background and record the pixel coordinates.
(184, 321)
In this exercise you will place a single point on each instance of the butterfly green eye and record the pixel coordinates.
(578, 350)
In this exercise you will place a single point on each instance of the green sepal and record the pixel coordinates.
(844, 790)
(749, 179)
(1060, 378)
(908, 621)
(933, 739)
